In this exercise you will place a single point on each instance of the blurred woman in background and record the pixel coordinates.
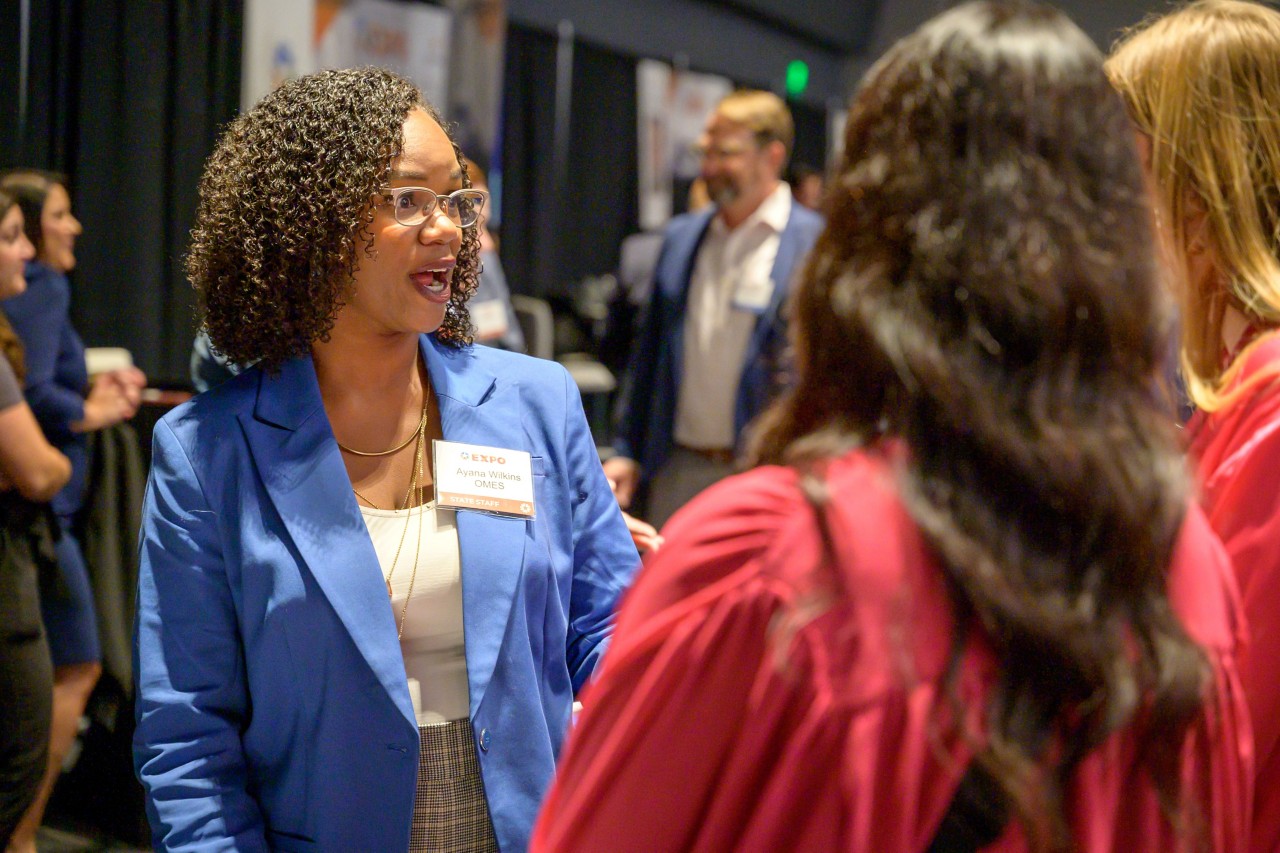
(966, 602)
(1202, 86)
(31, 472)
(66, 405)
(490, 307)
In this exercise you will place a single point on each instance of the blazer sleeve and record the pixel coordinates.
(51, 364)
(604, 557)
(192, 694)
(693, 656)
(634, 403)
(630, 410)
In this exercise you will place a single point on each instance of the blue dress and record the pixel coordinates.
(56, 383)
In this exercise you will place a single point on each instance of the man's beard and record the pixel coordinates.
(723, 191)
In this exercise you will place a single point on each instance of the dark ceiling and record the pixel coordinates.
(841, 26)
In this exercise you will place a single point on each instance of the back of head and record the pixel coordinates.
(1204, 83)
(762, 113)
(985, 293)
(285, 199)
(987, 231)
(31, 187)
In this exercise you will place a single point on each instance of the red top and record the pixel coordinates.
(741, 709)
(1237, 455)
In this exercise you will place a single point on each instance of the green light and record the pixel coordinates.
(797, 78)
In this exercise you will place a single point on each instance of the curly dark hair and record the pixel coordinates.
(986, 294)
(284, 206)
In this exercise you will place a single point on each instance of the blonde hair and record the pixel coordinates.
(1204, 83)
(762, 113)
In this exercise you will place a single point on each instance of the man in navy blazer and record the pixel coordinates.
(709, 355)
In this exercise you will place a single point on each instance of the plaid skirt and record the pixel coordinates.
(450, 813)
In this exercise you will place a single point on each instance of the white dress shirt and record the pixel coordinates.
(731, 286)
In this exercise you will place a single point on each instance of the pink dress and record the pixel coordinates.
(720, 721)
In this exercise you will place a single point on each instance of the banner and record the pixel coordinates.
(454, 54)
(475, 76)
(279, 44)
(673, 108)
(408, 38)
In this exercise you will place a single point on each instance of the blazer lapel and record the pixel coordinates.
(475, 409)
(784, 270)
(302, 470)
(684, 254)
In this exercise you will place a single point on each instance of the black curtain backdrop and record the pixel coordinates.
(811, 134)
(601, 203)
(126, 98)
(557, 229)
(530, 210)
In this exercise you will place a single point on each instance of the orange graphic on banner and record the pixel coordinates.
(326, 11)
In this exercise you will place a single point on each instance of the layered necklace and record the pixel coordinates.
(412, 498)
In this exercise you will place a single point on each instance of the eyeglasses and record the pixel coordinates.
(717, 152)
(414, 205)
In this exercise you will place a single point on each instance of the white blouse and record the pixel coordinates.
(431, 640)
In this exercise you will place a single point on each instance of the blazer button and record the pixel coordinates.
(485, 740)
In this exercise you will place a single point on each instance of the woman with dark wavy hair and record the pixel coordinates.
(332, 654)
(964, 602)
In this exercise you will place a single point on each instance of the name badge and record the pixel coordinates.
(495, 480)
(490, 318)
(753, 294)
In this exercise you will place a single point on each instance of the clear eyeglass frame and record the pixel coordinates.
(716, 152)
(414, 205)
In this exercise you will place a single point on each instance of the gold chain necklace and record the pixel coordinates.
(413, 493)
(422, 423)
(414, 480)
(417, 550)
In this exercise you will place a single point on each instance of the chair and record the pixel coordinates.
(538, 324)
(595, 381)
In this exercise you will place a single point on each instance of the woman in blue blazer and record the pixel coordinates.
(335, 246)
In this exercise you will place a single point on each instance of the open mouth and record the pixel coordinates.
(433, 280)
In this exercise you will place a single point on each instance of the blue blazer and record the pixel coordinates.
(646, 410)
(273, 711)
